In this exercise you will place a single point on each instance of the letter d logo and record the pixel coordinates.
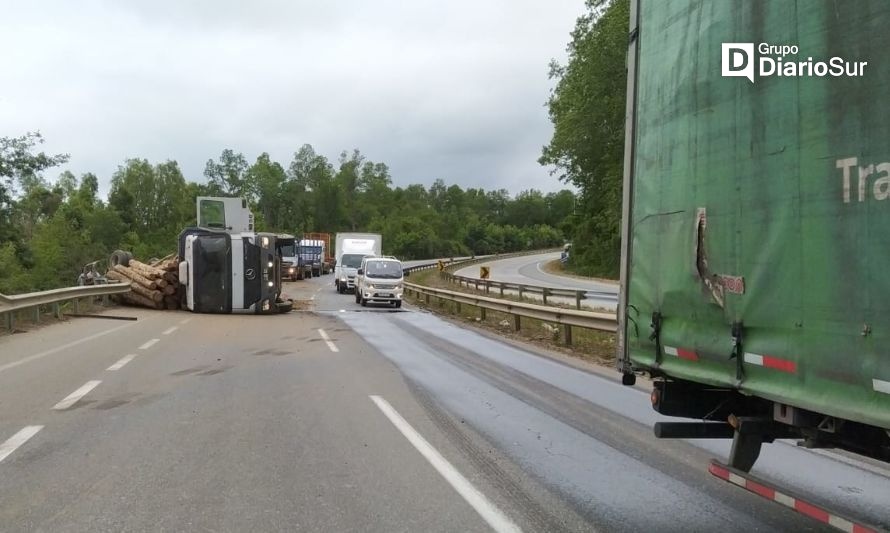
(738, 60)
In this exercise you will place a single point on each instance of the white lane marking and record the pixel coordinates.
(75, 396)
(328, 341)
(185, 321)
(34, 357)
(342, 310)
(120, 364)
(149, 344)
(12, 443)
(881, 385)
(170, 330)
(486, 509)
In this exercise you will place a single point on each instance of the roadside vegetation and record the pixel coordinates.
(587, 147)
(50, 228)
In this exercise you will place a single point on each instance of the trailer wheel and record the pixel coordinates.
(120, 257)
(284, 307)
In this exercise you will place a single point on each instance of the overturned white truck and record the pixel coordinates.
(226, 266)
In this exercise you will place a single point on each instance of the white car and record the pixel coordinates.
(379, 279)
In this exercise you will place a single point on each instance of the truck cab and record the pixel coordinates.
(379, 279)
(226, 270)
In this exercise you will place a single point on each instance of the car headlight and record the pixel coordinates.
(369, 287)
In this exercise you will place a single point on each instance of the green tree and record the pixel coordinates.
(228, 176)
(587, 111)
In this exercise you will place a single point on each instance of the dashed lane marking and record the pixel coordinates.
(149, 344)
(328, 341)
(77, 395)
(57, 349)
(12, 443)
(120, 364)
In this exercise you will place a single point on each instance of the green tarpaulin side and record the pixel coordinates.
(738, 181)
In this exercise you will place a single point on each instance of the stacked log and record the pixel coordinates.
(155, 285)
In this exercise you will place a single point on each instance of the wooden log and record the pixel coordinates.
(147, 271)
(169, 290)
(137, 299)
(136, 277)
(117, 276)
(161, 283)
(162, 260)
(171, 277)
(155, 296)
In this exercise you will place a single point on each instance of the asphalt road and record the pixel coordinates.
(529, 270)
(346, 418)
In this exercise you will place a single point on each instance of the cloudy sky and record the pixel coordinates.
(452, 90)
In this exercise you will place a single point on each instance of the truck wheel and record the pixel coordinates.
(398, 304)
(364, 303)
(120, 257)
(357, 300)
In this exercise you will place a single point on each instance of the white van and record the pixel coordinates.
(379, 279)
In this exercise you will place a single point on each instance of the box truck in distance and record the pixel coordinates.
(350, 249)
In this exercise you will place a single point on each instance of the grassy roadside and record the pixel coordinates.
(588, 345)
(556, 268)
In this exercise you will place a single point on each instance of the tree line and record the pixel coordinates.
(50, 229)
(587, 108)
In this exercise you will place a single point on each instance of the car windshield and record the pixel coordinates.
(352, 260)
(383, 269)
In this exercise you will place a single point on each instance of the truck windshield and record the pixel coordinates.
(351, 260)
(383, 269)
(288, 250)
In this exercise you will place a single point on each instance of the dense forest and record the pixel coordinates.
(50, 229)
(587, 147)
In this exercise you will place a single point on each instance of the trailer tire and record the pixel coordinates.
(120, 257)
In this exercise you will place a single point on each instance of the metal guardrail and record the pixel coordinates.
(567, 318)
(487, 285)
(10, 305)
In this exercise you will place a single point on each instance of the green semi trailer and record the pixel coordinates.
(755, 275)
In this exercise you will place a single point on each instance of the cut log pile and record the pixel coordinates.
(155, 285)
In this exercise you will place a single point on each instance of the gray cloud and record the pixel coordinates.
(452, 90)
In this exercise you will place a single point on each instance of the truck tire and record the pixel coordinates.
(120, 257)
(398, 304)
(364, 302)
(284, 307)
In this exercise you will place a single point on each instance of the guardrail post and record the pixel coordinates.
(105, 300)
(36, 314)
(521, 289)
(501, 285)
(477, 284)
(482, 313)
(545, 291)
(457, 306)
(57, 311)
(578, 300)
(516, 322)
(427, 298)
(568, 334)
(487, 287)
(10, 321)
(77, 306)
